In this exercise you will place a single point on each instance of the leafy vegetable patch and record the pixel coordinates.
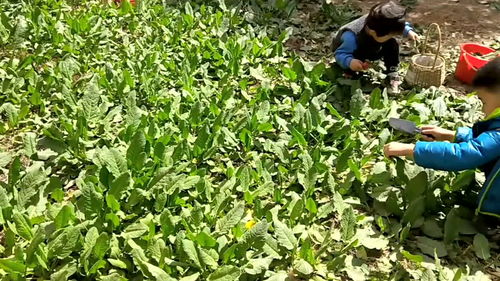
(172, 142)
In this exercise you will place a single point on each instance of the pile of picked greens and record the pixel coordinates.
(173, 141)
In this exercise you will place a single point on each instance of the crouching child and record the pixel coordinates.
(371, 38)
(467, 148)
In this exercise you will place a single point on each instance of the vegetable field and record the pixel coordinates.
(169, 141)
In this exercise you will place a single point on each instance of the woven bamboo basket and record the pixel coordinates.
(427, 68)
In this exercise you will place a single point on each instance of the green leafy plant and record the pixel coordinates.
(180, 141)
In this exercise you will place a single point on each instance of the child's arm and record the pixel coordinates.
(345, 52)
(410, 32)
(435, 133)
(458, 156)
(463, 134)
(408, 28)
(450, 156)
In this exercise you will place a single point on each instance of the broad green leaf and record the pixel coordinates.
(32, 249)
(432, 229)
(225, 273)
(205, 240)
(65, 216)
(192, 277)
(298, 136)
(482, 247)
(190, 249)
(429, 247)
(158, 273)
(101, 246)
(5, 159)
(167, 223)
(416, 187)
(30, 184)
(311, 206)
(285, 236)
(63, 273)
(463, 180)
(117, 263)
(120, 185)
(12, 265)
(415, 210)
(11, 112)
(348, 224)
(256, 234)
(369, 242)
(91, 200)
(279, 276)
(230, 220)
(23, 226)
(357, 103)
(136, 154)
(303, 267)
(98, 265)
(428, 275)
(452, 226)
(88, 246)
(29, 141)
(90, 99)
(413, 258)
(439, 107)
(355, 169)
(135, 230)
(376, 101)
(258, 266)
(206, 258)
(188, 9)
(64, 243)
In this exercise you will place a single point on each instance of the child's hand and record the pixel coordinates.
(357, 65)
(414, 36)
(438, 133)
(398, 149)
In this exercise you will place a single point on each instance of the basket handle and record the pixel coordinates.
(426, 46)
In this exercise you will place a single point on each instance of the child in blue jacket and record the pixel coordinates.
(370, 38)
(467, 148)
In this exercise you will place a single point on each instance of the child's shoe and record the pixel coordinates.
(394, 83)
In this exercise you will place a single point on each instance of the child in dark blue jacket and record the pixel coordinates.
(370, 38)
(467, 148)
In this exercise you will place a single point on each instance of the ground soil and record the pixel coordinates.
(461, 21)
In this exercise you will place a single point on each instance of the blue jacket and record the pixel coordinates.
(478, 147)
(345, 53)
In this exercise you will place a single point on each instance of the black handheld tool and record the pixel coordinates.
(406, 126)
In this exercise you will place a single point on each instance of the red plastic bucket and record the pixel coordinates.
(469, 63)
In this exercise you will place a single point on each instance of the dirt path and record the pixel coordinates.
(461, 21)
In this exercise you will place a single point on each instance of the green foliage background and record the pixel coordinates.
(182, 141)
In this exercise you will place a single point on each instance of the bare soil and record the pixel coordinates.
(461, 21)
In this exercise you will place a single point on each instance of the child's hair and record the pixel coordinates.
(386, 18)
(488, 76)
